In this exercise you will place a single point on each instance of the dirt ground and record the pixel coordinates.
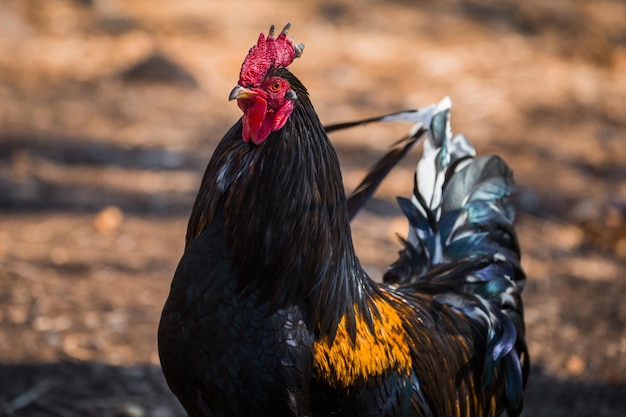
(110, 109)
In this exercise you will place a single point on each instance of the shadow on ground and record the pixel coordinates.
(98, 389)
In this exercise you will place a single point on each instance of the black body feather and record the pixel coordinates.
(269, 279)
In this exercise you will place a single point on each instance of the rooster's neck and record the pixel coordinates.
(285, 218)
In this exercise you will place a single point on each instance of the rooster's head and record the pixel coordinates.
(266, 98)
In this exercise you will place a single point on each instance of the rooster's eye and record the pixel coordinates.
(276, 86)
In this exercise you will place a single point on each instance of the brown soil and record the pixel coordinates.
(100, 159)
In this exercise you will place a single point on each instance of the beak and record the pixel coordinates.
(240, 92)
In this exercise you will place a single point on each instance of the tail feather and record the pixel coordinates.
(462, 247)
(460, 208)
(364, 191)
(420, 119)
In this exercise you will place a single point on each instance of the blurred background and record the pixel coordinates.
(110, 110)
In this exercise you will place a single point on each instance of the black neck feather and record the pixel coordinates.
(285, 218)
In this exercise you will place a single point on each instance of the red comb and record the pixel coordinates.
(268, 53)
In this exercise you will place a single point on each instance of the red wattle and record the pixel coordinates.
(281, 116)
(254, 111)
(259, 121)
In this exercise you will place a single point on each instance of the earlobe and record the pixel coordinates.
(281, 116)
(291, 95)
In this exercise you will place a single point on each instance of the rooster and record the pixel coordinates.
(270, 312)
